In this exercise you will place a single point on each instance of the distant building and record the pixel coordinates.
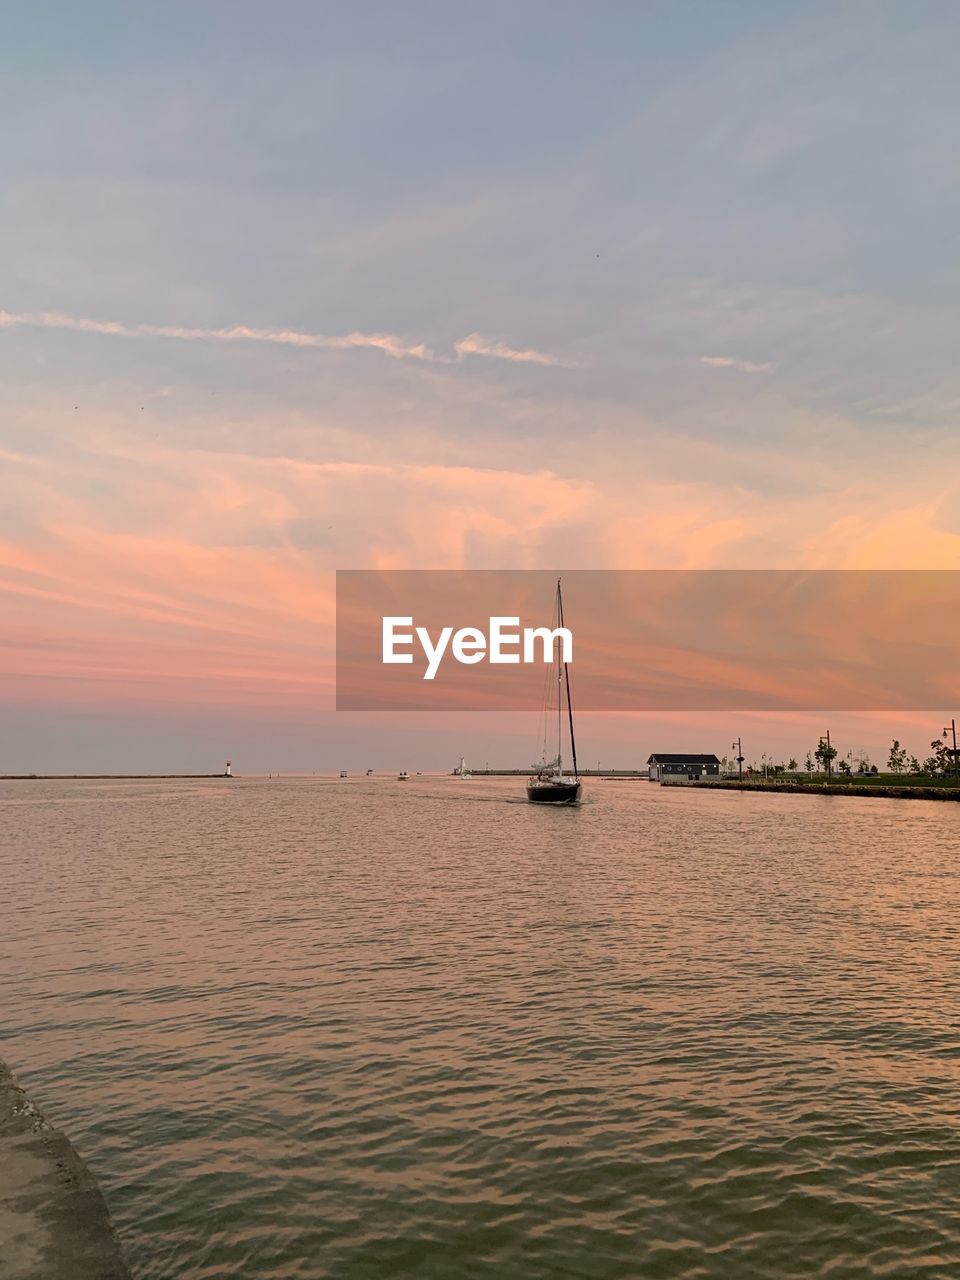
(679, 767)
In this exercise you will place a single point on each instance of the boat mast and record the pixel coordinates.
(559, 611)
(566, 676)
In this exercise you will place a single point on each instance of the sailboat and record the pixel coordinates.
(550, 785)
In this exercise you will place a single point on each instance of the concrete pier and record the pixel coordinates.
(872, 789)
(54, 1223)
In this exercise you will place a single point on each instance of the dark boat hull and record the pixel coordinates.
(553, 792)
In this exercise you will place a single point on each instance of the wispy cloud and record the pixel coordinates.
(389, 343)
(386, 342)
(735, 362)
(476, 345)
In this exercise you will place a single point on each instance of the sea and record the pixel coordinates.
(364, 1029)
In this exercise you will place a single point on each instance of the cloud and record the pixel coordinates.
(389, 343)
(735, 362)
(183, 571)
(55, 320)
(476, 345)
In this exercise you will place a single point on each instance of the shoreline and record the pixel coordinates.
(873, 790)
(54, 1221)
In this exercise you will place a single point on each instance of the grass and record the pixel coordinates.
(861, 779)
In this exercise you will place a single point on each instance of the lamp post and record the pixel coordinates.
(952, 727)
(738, 757)
(828, 760)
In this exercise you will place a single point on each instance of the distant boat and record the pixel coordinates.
(461, 770)
(550, 785)
(343, 773)
(402, 777)
(369, 773)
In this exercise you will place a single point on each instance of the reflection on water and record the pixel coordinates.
(360, 1029)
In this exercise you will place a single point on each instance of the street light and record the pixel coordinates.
(828, 759)
(952, 728)
(738, 757)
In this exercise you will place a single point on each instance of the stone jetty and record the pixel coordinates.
(54, 1223)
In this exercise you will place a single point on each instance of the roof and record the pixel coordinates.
(675, 757)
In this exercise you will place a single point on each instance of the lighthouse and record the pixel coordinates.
(228, 771)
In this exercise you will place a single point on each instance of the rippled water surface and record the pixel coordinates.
(352, 1029)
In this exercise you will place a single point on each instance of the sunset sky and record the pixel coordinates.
(300, 287)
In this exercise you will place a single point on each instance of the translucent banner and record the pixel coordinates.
(649, 640)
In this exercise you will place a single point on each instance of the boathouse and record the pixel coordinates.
(678, 767)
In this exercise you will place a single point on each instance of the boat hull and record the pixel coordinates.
(555, 792)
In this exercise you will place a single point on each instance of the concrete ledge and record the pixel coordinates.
(54, 1223)
(879, 789)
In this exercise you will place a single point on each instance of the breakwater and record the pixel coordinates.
(54, 1223)
(881, 790)
(107, 777)
(583, 773)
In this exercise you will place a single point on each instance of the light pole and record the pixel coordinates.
(738, 757)
(956, 760)
(828, 759)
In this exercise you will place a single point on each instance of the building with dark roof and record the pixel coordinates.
(671, 766)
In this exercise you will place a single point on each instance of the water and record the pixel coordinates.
(364, 1029)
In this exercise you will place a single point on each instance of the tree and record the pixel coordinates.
(844, 768)
(792, 765)
(809, 763)
(826, 755)
(897, 758)
(914, 765)
(941, 755)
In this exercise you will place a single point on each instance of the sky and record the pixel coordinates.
(299, 287)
